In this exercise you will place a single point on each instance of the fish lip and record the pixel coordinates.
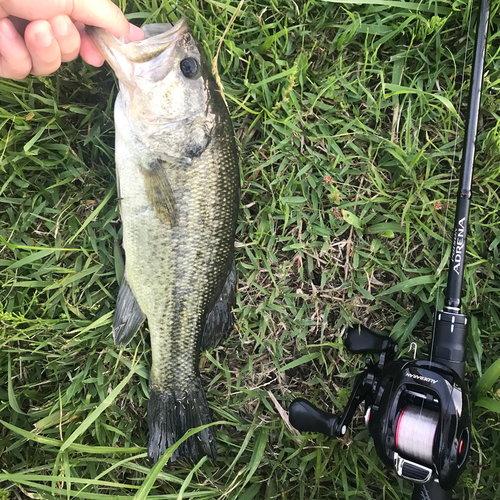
(118, 52)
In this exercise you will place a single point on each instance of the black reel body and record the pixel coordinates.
(417, 412)
(419, 421)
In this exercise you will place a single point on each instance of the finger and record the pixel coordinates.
(67, 37)
(89, 52)
(43, 47)
(104, 14)
(15, 60)
(136, 34)
(35, 9)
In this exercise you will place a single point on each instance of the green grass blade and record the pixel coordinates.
(95, 414)
(490, 376)
(10, 389)
(300, 361)
(258, 453)
(94, 214)
(30, 259)
(489, 403)
(422, 7)
(82, 448)
(408, 285)
(22, 478)
(189, 477)
(147, 485)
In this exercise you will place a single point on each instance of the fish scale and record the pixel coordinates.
(179, 187)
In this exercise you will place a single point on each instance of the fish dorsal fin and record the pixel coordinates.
(156, 29)
(159, 192)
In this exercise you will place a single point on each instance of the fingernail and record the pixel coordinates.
(60, 26)
(8, 30)
(44, 37)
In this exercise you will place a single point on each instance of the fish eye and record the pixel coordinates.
(189, 67)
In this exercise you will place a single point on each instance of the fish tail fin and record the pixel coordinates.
(171, 413)
(220, 320)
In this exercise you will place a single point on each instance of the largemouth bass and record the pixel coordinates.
(179, 190)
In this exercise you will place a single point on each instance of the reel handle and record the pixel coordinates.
(361, 340)
(305, 417)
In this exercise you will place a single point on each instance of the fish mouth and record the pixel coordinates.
(122, 55)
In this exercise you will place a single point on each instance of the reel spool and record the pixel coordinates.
(416, 432)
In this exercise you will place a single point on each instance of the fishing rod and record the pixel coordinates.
(417, 411)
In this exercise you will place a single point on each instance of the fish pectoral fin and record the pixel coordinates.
(128, 316)
(220, 320)
(159, 192)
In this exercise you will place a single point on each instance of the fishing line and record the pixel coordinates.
(415, 433)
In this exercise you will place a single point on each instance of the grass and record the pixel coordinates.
(347, 117)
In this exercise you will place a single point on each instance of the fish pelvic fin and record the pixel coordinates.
(219, 321)
(159, 192)
(128, 316)
(171, 413)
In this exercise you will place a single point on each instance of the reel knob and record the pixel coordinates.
(305, 417)
(361, 340)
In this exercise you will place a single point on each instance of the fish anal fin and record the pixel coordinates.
(220, 320)
(159, 192)
(128, 316)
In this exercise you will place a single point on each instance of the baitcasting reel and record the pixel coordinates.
(416, 411)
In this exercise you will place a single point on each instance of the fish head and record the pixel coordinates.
(164, 79)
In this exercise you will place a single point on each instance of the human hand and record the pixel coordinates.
(55, 33)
